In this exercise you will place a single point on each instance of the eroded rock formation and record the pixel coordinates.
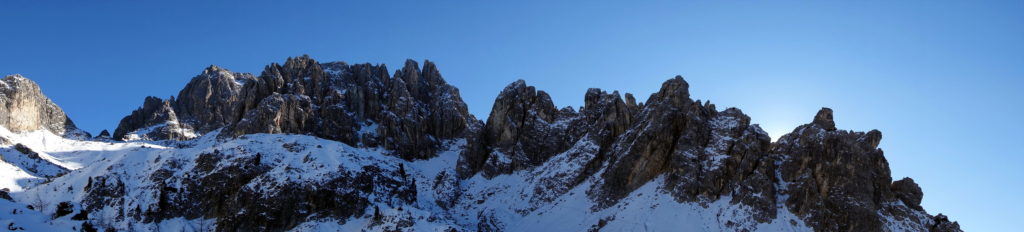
(832, 179)
(411, 113)
(23, 108)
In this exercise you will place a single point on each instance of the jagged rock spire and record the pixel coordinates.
(824, 119)
(211, 99)
(413, 112)
(518, 133)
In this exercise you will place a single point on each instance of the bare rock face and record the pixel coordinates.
(670, 125)
(212, 100)
(525, 129)
(279, 113)
(702, 153)
(609, 115)
(239, 189)
(836, 180)
(25, 108)
(519, 133)
(908, 192)
(412, 114)
(155, 120)
(424, 110)
(840, 180)
(941, 223)
(824, 119)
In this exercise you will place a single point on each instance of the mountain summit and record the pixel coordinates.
(310, 146)
(23, 108)
(360, 105)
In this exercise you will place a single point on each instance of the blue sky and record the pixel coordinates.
(941, 80)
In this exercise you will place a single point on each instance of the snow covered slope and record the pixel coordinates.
(48, 155)
(146, 187)
(440, 200)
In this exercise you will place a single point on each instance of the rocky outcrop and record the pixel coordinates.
(155, 120)
(412, 113)
(840, 180)
(703, 154)
(5, 195)
(212, 99)
(104, 135)
(671, 124)
(422, 110)
(908, 192)
(241, 189)
(30, 161)
(823, 119)
(520, 132)
(279, 113)
(525, 129)
(941, 223)
(209, 101)
(23, 108)
(837, 178)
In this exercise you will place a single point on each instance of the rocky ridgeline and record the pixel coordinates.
(834, 180)
(410, 113)
(24, 108)
(837, 180)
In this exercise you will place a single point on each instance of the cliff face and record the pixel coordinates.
(155, 120)
(25, 108)
(361, 105)
(307, 142)
(836, 180)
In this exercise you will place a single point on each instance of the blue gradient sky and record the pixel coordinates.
(941, 80)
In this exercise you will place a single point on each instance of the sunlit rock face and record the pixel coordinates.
(23, 108)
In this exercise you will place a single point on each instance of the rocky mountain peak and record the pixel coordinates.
(411, 113)
(410, 75)
(211, 99)
(25, 108)
(840, 179)
(155, 120)
(214, 70)
(824, 119)
(519, 133)
(675, 92)
(103, 135)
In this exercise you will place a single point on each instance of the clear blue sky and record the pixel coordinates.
(941, 80)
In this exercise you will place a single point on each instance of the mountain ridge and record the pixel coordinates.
(607, 151)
